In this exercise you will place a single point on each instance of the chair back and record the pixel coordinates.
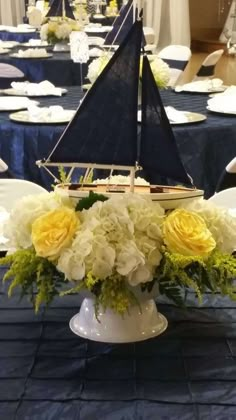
(207, 68)
(12, 190)
(225, 198)
(228, 177)
(177, 57)
(9, 74)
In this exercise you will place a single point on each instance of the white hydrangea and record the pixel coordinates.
(97, 66)
(44, 32)
(219, 221)
(110, 240)
(27, 210)
(63, 31)
(161, 72)
(120, 180)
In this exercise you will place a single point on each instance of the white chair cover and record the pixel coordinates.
(177, 56)
(225, 198)
(9, 71)
(12, 190)
(207, 68)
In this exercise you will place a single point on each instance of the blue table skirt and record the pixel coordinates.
(205, 147)
(19, 37)
(59, 69)
(48, 373)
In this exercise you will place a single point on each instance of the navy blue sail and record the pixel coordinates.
(158, 150)
(60, 8)
(121, 25)
(104, 128)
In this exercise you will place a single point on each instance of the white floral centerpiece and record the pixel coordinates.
(58, 30)
(111, 247)
(160, 69)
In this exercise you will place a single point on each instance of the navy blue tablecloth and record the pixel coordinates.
(18, 37)
(58, 69)
(205, 147)
(47, 373)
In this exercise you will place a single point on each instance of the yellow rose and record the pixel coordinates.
(186, 233)
(53, 231)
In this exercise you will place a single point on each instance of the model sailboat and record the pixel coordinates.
(60, 8)
(103, 133)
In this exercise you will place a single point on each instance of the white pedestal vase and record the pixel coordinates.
(61, 47)
(140, 323)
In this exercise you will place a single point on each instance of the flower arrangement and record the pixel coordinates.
(160, 69)
(58, 30)
(111, 247)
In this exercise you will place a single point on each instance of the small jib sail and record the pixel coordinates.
(104, 134)
(158, 151)
(60, 8)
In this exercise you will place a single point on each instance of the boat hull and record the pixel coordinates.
(169, 198)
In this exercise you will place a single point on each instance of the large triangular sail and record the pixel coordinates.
(158, 150)
(104, 128)
(60, 8)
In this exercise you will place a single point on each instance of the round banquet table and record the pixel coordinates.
(205, 147)
(18, 36)
(58, 69)
(48, 373)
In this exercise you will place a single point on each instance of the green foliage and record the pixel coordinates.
(63, 175)
(87, 202)
(177, 273)
(36, 276)
(112, 293)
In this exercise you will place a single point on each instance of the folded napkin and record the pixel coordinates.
(95, 40)
(37, 42)
(3, 50)
(224, 102)
(175, 116)
(51, 114)
(32, 52)
(43, 88)
(95, 52)
(207, 85)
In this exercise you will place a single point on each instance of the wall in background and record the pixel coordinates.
(205, 20)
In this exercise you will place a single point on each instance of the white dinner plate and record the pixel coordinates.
(206, 91)
(24, 117)
(29, 45)
(4, 50)
(220, 111)
(15, 92)
(16, 55)
(21, 30)
(9, 44)
(15, 103)
(193, 117)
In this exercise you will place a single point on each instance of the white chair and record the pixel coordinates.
(177, 57)
(9, 74)
(12, 190)
(225, 198)
(228, 177)
(207, 68)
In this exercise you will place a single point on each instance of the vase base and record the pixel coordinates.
(142, 322)
(61, 47)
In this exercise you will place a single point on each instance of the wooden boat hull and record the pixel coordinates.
(168, 197)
